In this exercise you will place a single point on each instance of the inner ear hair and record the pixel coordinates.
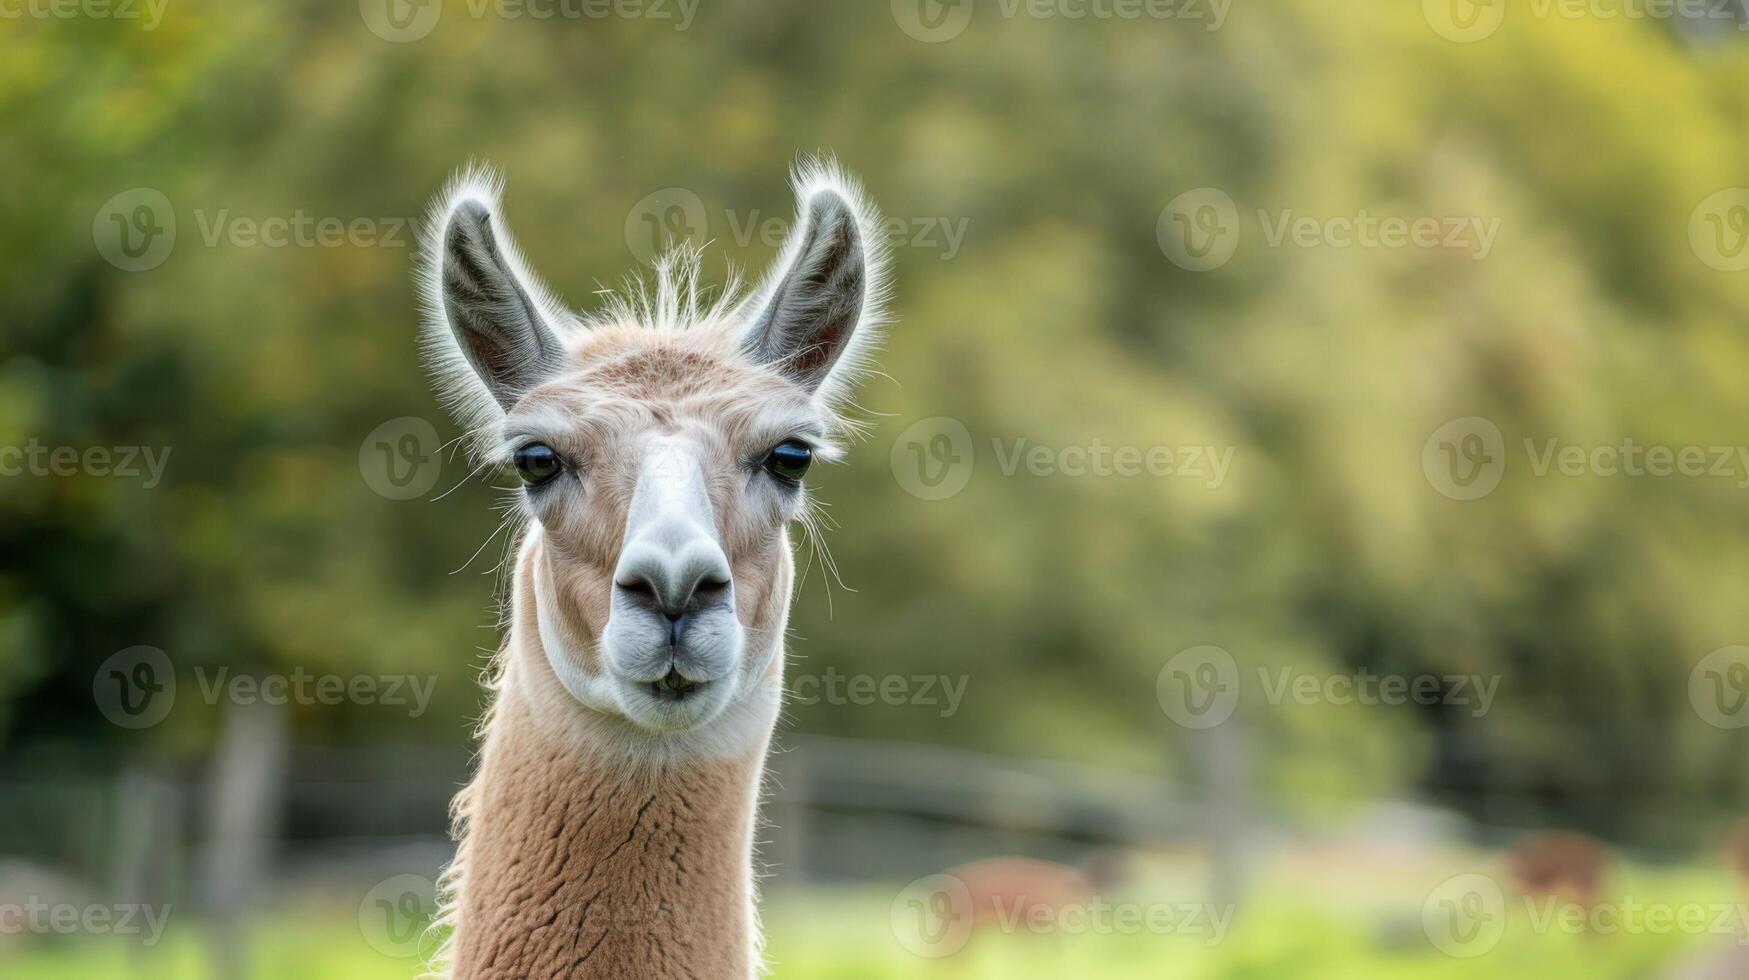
(813, 309)
(497, 324)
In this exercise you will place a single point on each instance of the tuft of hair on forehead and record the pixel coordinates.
(676, 300)
(458, 386)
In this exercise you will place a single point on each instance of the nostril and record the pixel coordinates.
(640, 589)
(710, 589)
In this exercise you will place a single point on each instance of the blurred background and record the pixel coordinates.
(1303, 511)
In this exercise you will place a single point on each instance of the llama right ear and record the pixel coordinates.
(492, 308)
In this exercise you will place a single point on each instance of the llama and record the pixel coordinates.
(662, 445)
(1006, 893)
(1563, 865)
(1727, 959)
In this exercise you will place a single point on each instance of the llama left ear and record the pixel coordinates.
(821, 294)
(492, 331)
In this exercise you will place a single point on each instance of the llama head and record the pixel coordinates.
(662, 445)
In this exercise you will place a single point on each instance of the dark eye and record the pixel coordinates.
(789, 461)
(536, 463)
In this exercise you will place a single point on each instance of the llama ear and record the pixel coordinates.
(818, 293)
(494, 315)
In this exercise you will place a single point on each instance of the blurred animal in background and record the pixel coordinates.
(1563, 865)
(1736, 853)
(1728, 960)
(1020, 894)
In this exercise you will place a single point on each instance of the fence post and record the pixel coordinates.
(244, 790)
(1226, 808)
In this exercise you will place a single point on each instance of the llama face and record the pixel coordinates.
(663, 566)
(662, 449)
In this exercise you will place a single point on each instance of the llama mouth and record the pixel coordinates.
(674, 687)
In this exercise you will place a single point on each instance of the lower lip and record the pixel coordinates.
(669, 695)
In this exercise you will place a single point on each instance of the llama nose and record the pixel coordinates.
(673, 577)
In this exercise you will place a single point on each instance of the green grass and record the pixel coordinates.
(1288, 932)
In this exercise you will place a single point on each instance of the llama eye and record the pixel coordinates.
(536, 463)
(789, 461)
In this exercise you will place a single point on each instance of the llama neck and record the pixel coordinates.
(579, 863)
